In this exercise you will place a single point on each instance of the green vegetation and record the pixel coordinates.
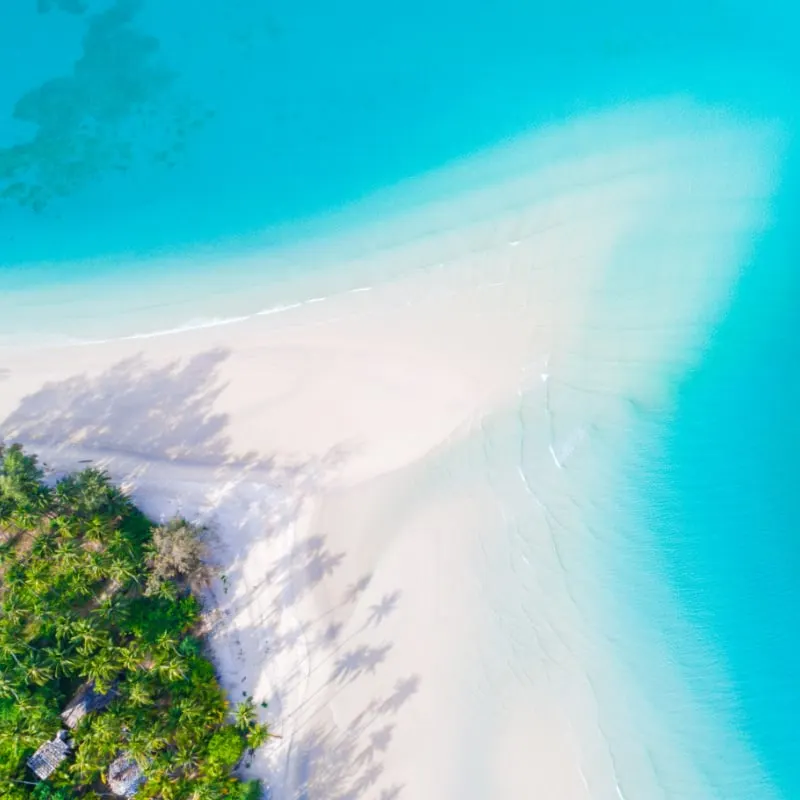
(91, 591)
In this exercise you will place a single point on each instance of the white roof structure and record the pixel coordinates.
(44, 762)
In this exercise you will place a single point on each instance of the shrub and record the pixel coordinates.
(226, 748)
(179, 550)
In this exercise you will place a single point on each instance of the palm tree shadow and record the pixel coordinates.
(133, 409)
(346, 763)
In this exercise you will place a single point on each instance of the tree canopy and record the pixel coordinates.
(91, 592)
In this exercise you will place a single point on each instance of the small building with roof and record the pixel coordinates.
(125, 776)
(86, 700)
(46, 760)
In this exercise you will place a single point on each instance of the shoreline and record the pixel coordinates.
(413, 225)
(407, 480)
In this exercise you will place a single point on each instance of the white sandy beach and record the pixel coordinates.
(417, 486)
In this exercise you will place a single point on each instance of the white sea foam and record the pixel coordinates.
(55, 340)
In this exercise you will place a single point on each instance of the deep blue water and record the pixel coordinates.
(135, 128)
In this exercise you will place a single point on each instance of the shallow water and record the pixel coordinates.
(139, 130)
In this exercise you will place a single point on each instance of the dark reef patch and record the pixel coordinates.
(117, 107)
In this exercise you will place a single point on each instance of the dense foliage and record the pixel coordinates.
(88, 593)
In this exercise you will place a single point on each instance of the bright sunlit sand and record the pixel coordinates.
(433, 572)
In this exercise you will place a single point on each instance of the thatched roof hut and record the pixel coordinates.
(86, 700)
(44, 762)
(125, 776)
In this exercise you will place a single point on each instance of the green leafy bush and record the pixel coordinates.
(226, 747)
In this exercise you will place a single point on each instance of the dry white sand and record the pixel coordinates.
(408, 482)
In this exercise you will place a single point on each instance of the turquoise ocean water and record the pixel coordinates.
(722, 496)
(130, 130)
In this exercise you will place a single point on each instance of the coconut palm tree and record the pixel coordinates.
(143, 744)
(172, 668)
(44, 546)
(86, 764)
(188, 758)
(38, 673)
(68, 557)
(87, 636)
(12, 647)
(21, 486)
(8, 687)
(258, 735)
(64, 626)
(59, 662)
(100, 667)
(139, 694)
(131, 656)
(90, 493)
(167, 643)
(38, 583)
(13, 608)
(245, 715)
(121, 570)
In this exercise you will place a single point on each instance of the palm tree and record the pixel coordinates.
(258, 735)
(64, 626)
(68, 557)
(14, 611)
(97, 529)
(38, 721)
(244, 716)
(59, 662)
(38, 583)
(144, 743)
(90, 493)
(66, 527)
(100, 667)
(85, 764)
(121, 570)
(172, 668)
(193, 716)
(188, 758)
(38, 674)
(94, 566)
(139, 694)
(8, 688)
(12, 647)
(164, 786)
(87, 636)
(167, 643)
(130, 656)
(21, 487)
(44, 546)
(102, 739)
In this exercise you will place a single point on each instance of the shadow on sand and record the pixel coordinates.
(157, 429)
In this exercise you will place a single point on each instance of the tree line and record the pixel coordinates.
(93, 591)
